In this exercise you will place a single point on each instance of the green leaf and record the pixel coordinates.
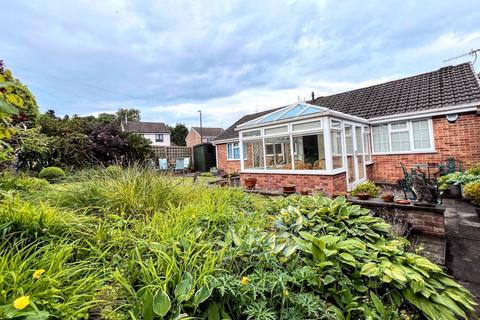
(161, 303)
(213, 312)
(201, 295)
(5, 107)
(40, 315)
(398, 274)
(328, 279)
(184, 287)
(148, 305)
(370, 270)
(378, 304)
(347, 258)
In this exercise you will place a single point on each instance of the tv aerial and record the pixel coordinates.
(472, 53)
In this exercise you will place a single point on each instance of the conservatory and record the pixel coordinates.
(304, 140)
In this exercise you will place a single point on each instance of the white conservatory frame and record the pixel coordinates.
(325, 117)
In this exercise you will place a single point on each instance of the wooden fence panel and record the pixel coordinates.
(172, 152)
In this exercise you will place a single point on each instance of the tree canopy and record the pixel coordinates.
(178, 134)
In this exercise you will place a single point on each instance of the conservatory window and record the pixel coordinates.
(253, 154)
(254, 133)
(278, 155)
(337, 149)
(309, 152)
(368, 144)
(307, 126)
(276, 130)
(233, 151)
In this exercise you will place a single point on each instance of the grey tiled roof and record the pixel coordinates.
(209, 132)
(146, 127)
(452, 85)
(448, 86)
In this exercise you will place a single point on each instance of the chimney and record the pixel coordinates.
(313, 96)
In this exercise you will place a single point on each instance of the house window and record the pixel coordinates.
(309, 152)
(233, 151)
(253, 154)
(158, 137)
(277, 153)
(401, 137)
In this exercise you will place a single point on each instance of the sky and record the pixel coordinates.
(226, 58)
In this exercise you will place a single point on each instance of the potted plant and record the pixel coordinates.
(250, 183)
(472, 193)
(365, 190)
(388, 197)
(289, 188)
(337, 194)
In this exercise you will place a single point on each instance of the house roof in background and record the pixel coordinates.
(447, 86)
(146, 127)
(209, 132)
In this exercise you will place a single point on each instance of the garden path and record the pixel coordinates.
(463, 244)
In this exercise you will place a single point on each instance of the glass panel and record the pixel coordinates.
(271, 116)
(292, 112)
(253, 153)
(276, 130)
(350, 159)
(358, 140)
(253, 133)
(307, 126)
(337, 151)
(368, 144)
(309, 152)
(278, 154)
(421, 134)
(399, 126)
(400, 141)
(311, 110)
(336, 124)
(380, 138)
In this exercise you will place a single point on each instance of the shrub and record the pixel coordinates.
(22, 183)
(366, 187)
(51, 173)
(456, 178)
(475, 170)
(472, 192)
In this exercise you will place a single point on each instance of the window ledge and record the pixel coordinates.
(305, 172)
(402, 152)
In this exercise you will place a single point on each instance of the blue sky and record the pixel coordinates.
(227, 58)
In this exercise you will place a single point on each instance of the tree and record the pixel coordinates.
(106, 118)
(28, 112)
(108, 145)
(138, 148)
(178, 134)
(129, 114)
(32, 149)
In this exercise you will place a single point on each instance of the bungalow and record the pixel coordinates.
(198, 135)
(157, 132)
(338, 141)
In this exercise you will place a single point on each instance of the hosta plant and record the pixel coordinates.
(367, 187)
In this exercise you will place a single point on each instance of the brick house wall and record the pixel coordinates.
(193, 138)
(275, 181)
(224, 164)
(459, 140)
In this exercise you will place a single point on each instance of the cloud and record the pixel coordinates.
(171, 58)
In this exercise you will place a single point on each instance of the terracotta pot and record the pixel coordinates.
(305, 192)
(338, 194)
(289, 188)
(363, 196)
(250, 183)
(388, 197)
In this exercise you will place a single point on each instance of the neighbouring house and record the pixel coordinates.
(198, 135)
(335, 142)
(157, 132)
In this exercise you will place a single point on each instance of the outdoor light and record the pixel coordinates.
(451, 118)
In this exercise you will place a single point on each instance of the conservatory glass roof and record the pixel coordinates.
(293, 111)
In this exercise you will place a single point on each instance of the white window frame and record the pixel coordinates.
(410, 131)
(233, 152)
(159, 135)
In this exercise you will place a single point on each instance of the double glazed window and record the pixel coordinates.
(403, 136)
(233, 151)
(158, 137)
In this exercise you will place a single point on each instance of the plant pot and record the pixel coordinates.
(363, 196)
(305, 192)
(455, 191)
(289, 188)
(250, 183)
(388, 197)
(337, 194)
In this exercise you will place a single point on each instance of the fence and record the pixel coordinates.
(172, 152)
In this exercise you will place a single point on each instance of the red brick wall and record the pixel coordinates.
(193, 138)
(274, 181)
(460, 140)
(223, 163)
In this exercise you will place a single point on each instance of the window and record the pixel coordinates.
(277, 153)
(253, 154)
(307, 126)
(336, 124)
(337, 150)
(158, 137)
(403, 137)
(233, 151)
(276, 130)
(421, 134)
(368, 144)
(310, 152)
(253, 133)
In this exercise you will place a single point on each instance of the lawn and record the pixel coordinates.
(134, 244)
